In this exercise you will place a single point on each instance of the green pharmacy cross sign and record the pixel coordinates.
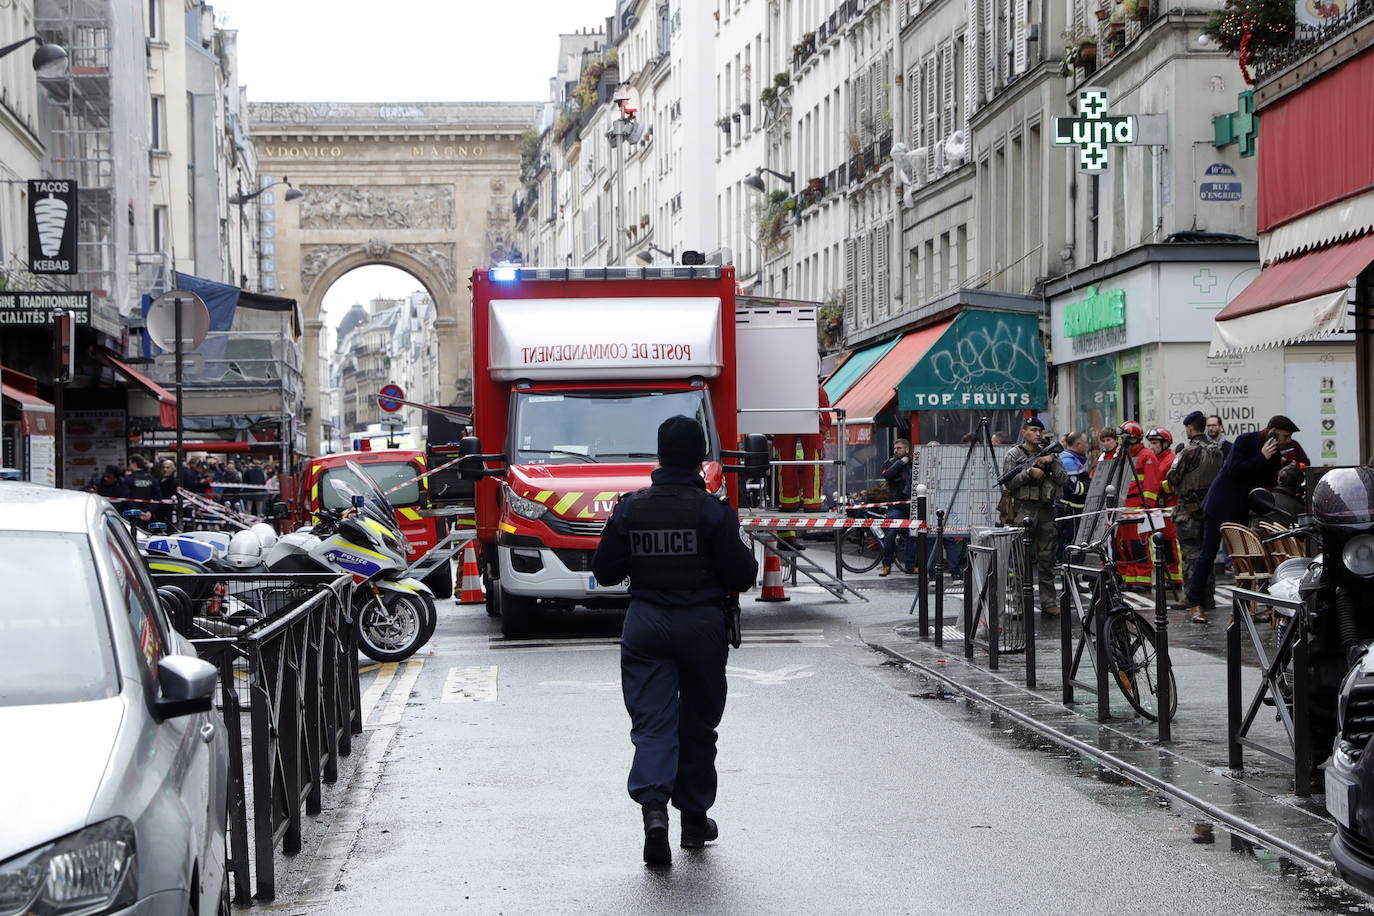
(1094, 132)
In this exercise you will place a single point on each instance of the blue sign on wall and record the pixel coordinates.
(1219, 183)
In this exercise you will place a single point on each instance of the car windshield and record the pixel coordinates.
(387, 474)
(54, 637)
(595, 426)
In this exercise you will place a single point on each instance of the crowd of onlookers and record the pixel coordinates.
(146, 480)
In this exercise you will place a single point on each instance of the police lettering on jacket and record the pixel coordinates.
(677, 543)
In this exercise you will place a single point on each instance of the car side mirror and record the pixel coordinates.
(186, 686)
(472, 463)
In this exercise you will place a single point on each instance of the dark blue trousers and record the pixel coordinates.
(672, 672)
(1202, 566)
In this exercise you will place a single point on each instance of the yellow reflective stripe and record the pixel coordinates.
(1150, 494)
(315, 494)
(466, 523)
(566, 502)
(509, 529)
(412, 514)
(542, 496)
(167, 567)
(606, 497)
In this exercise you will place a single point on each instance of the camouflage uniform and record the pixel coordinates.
(1190, 482)
(1034, 499)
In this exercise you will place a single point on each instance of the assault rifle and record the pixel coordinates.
(1054, 448)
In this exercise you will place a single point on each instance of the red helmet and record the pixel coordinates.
(1132, 430)
(1160, 432)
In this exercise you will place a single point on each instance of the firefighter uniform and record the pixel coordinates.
(1034, 498)
(799, 485)
(684, 555)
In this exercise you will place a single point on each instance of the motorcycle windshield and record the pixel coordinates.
(1344, 496)
(377, 506)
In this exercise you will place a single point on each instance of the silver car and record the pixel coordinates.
(113, 763)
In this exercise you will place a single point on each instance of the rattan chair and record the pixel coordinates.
(1284, 547)
(1250, 563)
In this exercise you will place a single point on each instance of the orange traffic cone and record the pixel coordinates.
(471, 586)
(772, 579)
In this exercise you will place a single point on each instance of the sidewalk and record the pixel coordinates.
(1257, 801)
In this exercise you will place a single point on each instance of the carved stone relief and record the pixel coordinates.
(377, 207)
(315, 260)
(439, 257)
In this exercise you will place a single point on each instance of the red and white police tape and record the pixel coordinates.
(813, 522)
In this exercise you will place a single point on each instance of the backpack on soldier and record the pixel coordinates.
(1193, 485)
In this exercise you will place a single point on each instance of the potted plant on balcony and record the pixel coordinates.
(816, 184)
(1085, 52)
(781, 80)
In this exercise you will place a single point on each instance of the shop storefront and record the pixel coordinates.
(28, 429)
(1311, 303)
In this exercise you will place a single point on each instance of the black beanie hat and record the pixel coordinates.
(681, 443)
(1194, 418)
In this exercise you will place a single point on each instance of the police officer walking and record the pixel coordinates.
(685, 556)
(1033, 493)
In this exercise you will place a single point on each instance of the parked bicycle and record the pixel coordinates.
(1130, 637)
(862, 548)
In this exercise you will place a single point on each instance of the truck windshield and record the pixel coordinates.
(600, 426)
(387, 474)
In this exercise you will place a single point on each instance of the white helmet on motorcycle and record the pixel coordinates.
(267, 535)
(245, 550)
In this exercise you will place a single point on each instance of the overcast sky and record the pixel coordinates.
(400, 51)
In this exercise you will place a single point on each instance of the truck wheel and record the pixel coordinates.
(440, 581)
(516, 614)
(489, 586)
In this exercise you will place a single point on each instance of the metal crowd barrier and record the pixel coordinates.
(1291, 697)
(293, 669)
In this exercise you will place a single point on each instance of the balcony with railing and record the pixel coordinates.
(238, 360)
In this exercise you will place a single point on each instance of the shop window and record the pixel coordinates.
(1130, 396)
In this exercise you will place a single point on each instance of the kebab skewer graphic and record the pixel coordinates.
(50, 213)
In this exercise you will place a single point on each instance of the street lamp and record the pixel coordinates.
(48, 59)
(755, 180)
(240, 199)
(647, 254)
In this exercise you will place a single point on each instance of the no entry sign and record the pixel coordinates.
(390, 398)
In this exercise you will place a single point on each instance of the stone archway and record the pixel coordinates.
(426, 188)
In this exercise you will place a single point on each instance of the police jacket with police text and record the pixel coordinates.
(678, 545)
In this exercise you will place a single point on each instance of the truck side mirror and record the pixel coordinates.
(756, 456)
(281, 510)
(471, 466)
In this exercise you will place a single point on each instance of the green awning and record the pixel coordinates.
(986, 359)
(854, 368)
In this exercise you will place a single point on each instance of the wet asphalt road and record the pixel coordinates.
(492, 780)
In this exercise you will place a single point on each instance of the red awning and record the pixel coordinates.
(1301, 298)
(872, 394)
(36, 416)
(167, 402)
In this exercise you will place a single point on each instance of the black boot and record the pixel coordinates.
(656, 850)
(697, 829)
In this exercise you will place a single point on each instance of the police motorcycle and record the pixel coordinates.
(392, 616)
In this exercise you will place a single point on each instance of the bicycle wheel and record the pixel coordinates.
(860, 550)
(1131, 658)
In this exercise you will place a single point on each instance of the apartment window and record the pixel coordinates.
(159, 123)
(155, 20)
(160, 234)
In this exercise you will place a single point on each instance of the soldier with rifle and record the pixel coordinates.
(1034, 479)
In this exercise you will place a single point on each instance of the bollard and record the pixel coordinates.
(1304, 757)
(939, 578)
(1027, 597)
(1163, 693)
(968, 605)
(922, 573)
(1101, 609)
(1235, 755)
(1067, 606)
(999, 576)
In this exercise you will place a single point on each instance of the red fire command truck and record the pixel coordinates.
(573, 371)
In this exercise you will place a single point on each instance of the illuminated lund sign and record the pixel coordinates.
(1094, 132)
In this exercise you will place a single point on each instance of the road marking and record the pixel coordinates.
(770, 678)
(583, 685)
(810, 638)
(400, 694)
(475, 684)
(377, 688)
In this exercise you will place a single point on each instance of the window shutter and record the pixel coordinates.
(913, 91)
(866, 279)
(862, 100)
(947, 115)
(1021, 10)
(933, 160)
(989, 49)
(851, 292)
(882, 291)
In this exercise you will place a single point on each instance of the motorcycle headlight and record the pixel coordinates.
(90, 871)
(1358, 555)
(524, 507)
